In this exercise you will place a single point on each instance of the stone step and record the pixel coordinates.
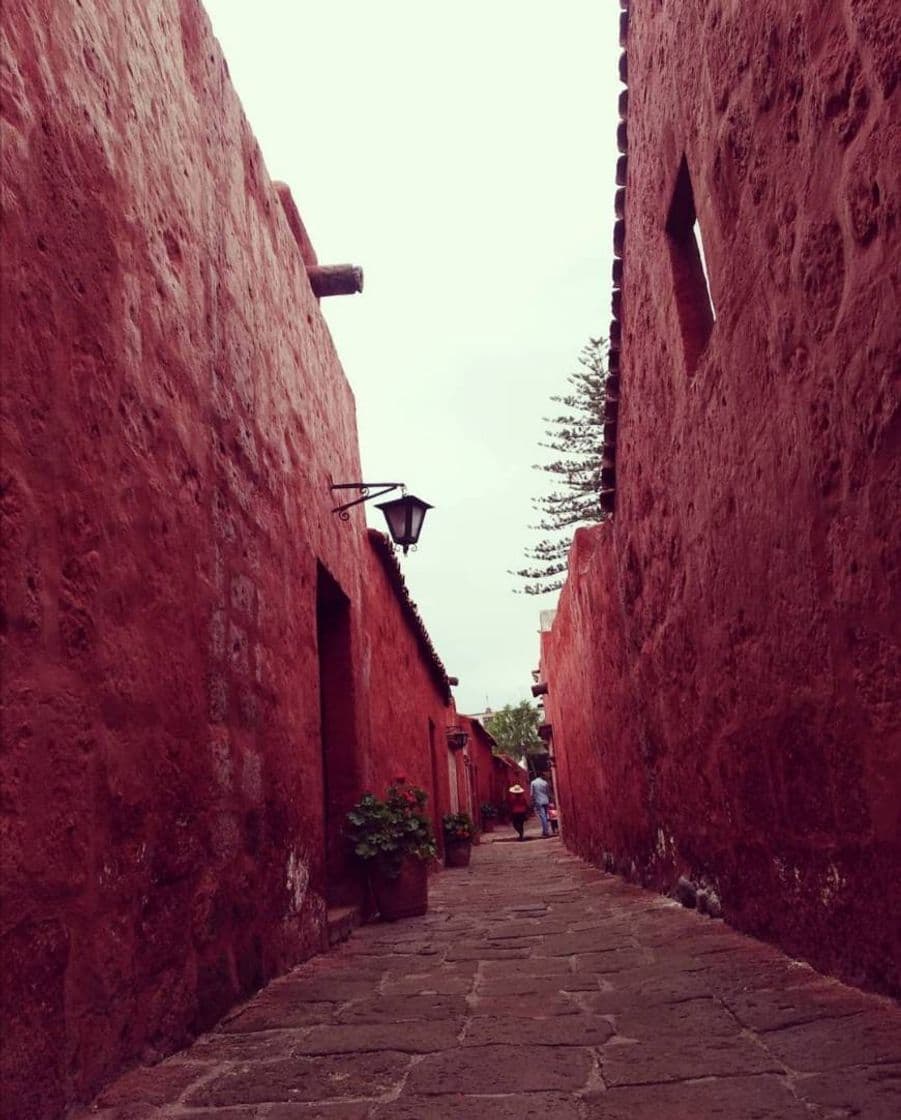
(341, 921)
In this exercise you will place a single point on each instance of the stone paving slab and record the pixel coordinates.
(527, 984)
(736, 1098)
(535, 1006)
(694, 1018)
(406, 1037)
(633, 990)
(392, 1009)
(770, 1010)
(871, 1093)
(263, 1045)
(308, 1112)
(560, 1030)
(537, 987)
(153, 1085)
(281, 1013)
(683, 1058)
(526, 1106)
(825, 1045)
(552, 966)
(427, 984)
(502, 1069)
(302, 1079)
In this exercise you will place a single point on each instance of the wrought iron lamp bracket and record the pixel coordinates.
(365, 489)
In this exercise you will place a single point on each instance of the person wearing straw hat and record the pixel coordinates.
(519, 808)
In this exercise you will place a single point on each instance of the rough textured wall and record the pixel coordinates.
(601, 790)
(481, 759)
(473, 767)
(173, 412)
(724, 671)
(408, 692)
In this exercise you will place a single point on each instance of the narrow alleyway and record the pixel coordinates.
(538, 987)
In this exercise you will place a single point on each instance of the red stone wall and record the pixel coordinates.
(481, 759)
(408, 703)
(474, 768)
(173, 413)
(723, 669)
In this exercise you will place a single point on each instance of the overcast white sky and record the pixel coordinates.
(463, 154)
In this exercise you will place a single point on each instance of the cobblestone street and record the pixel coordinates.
(537, 987)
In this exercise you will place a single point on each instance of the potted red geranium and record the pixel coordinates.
(458, 833)
(394, 838)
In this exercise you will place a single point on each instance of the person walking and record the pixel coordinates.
(519, 809)
(541, 798)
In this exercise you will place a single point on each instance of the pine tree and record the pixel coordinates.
(576, 437)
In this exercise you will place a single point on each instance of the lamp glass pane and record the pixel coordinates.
(405, 517)
(396, 516)
(415, 517)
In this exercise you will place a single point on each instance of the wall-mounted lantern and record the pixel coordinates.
(404, 515)
(457, 738)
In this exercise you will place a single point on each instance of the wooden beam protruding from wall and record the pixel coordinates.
(335, 279)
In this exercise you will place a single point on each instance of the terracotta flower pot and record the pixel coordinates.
(407, 895)
(457, 853)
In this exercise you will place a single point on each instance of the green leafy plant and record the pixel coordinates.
(457, 827)
(514, 729)
(391, 829)
(488, 811)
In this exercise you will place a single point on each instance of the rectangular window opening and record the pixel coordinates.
(691, 278)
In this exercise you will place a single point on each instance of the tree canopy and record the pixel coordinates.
(515, 729)
(575, 436)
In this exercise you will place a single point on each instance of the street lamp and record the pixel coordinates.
(404, 515)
